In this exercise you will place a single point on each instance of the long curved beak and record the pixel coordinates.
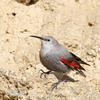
(42, 38)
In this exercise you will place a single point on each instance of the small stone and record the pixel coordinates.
(6, 97)
(76, 0)
(24, 1)
(92, 53)
(90, 24)
(13, 13)
(89, 59)
(27, 2)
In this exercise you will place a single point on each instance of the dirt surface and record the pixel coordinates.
(74, 23)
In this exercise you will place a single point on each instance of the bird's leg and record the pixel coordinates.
(54, 85)
(59, 76)
(69, 79)
(44, 73)
(62, 77)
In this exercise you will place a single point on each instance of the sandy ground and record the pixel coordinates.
(74, 23)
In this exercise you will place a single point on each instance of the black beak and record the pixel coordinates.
(42, 38)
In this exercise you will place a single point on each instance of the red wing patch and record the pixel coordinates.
(66, 62)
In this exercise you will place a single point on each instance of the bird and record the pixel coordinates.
(55, 57)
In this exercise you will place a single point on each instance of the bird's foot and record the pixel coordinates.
(69, 79)
(66, 79)
(54, 85)
(44, 73)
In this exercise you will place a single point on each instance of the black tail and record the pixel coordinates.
(81, 73)
(79, 60)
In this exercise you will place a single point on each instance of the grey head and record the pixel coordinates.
(47, 41)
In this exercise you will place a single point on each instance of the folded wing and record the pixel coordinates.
(74, 65)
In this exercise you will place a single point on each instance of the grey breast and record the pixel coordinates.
(51, 60)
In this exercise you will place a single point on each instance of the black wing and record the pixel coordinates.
(78, 59)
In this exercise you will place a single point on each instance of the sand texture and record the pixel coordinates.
(74, 23)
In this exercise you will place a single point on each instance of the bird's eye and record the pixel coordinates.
(48, 40)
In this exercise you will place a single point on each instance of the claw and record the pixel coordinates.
(54, 85)
(44, 73)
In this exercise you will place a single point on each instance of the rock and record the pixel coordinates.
(6, 97)
(27, 2)
(74, 23)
